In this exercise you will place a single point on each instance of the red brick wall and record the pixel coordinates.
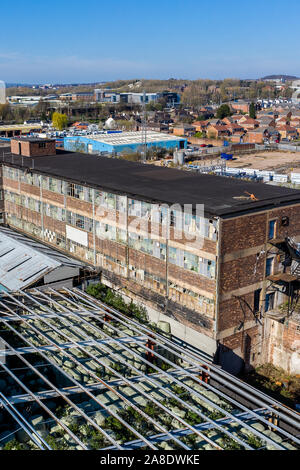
(243, 232)
(192, 278)
(33, 149)
(282, 343)
(240, 107)
(241, 272)
(14, 146)
(52, 198)
(233, 311)
(86, 208)
(254, 137)
(246, 345)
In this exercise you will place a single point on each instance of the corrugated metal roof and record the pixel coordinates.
(125, 138)
(23, 261)
(43, 249)
(20, 265)
(20, 127)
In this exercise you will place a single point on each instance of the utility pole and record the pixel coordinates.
(144, 129)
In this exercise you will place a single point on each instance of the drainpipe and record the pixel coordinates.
(218, 276)
(127, 239)
(94, 227)
(264, 290)
(42, 205)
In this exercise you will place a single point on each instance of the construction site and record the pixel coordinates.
(271, 164)
(275, 160)
(77, 374)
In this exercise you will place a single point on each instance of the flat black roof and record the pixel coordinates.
(32, 139)
(221, 196)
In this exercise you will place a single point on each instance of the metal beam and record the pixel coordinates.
(70, 314)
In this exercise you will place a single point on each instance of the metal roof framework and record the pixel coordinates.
(75, 336)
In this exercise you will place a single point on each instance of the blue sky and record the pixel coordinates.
(92, 40)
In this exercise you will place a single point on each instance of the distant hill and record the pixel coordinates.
(280, 77)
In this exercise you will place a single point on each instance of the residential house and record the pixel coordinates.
(281, 121)
(283, 114)
(288, 132)
(240, 106)
(216, 122)
(217, 131)
(234, 117)
(235, 128)
(295, 121)
(228, 120)
(200, 126)
(255, 136)
(184, 130)
(237, 138)
(156, 126)
(266, 121)
(248, 123)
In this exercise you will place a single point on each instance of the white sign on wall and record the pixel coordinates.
(76, 235)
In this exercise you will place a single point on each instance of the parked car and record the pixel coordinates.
(203, 145)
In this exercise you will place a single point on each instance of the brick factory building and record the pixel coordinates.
(216, 290)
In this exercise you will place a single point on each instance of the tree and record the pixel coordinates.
(211, 134)
(60, 121)
(152, 106)
(126, 125)
(4, 111)
(252, 111)
(223, 111)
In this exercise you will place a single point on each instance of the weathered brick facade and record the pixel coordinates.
(282, 344)
(222, 297)
(244, 248)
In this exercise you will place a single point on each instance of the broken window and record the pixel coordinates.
(55, 185)
(256, 303)
(269, 266)
(75, 190)
(121, 203)
(272, 229)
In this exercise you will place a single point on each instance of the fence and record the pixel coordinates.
(295, 178)
(290, 147)
(287, 147)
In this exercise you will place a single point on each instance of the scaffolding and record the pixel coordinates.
(96, 379)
